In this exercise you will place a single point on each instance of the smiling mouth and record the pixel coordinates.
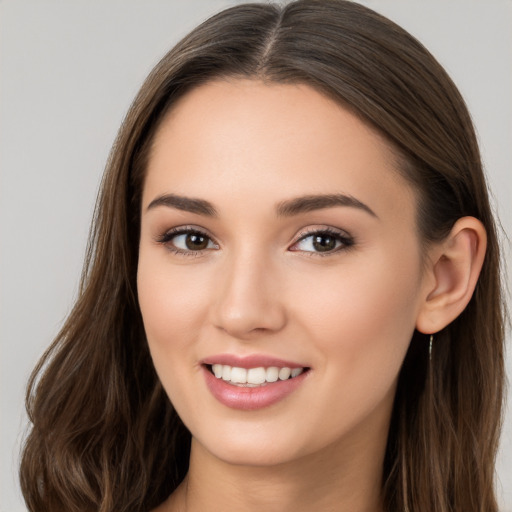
(253, 377)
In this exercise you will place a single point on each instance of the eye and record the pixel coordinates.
(187, 241)
(323, 241)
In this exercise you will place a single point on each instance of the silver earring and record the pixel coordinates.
(430, 347)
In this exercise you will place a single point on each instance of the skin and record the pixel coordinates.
(259, 287)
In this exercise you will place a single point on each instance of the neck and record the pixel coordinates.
(333, 479)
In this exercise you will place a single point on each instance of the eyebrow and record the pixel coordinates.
(318, 202)
(287, 208)
(188, 204)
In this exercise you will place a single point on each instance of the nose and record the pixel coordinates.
(249, 299)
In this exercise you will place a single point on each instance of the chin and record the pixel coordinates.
(250, 450)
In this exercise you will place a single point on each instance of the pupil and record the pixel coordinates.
(324, 243)
(195, 242)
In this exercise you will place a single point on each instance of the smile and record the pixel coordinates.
(254, 377)
(251, 389)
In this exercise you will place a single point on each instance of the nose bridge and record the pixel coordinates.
(248, 298)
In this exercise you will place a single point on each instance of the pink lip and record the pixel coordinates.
(250, 399)
(251, 361)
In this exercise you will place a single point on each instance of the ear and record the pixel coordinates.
(453, 269)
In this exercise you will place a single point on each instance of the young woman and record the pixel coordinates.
(291, 299)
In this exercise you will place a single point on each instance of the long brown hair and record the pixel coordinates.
(105, 436)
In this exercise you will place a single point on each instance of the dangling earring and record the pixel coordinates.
(430, 347)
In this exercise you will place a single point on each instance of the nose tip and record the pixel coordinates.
(245, 321)
(248, 303)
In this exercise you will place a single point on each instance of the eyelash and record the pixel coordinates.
(346, 241)
(167, 237)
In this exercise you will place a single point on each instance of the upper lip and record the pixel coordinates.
(250, 361)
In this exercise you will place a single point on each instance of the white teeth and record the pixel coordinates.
(239, 375)
(284, 373)
(226, 372)
(296, 372)
(253, 376)
(272, 374)
(256, 376)
(217, 370)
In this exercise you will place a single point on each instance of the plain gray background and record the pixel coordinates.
(68, 71)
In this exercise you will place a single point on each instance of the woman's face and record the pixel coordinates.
(277, 236)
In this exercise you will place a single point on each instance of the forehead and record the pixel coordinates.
(270, 142)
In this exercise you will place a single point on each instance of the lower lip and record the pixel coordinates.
(250, 399)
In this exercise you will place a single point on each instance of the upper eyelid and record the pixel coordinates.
(325, 229)
(180, 230)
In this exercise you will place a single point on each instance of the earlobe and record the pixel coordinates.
(455, 265)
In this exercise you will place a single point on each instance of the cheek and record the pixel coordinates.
(173, 306)
(363, 317)
(361, 322)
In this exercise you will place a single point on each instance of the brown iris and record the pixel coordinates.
(324, 242)
(196, 241)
